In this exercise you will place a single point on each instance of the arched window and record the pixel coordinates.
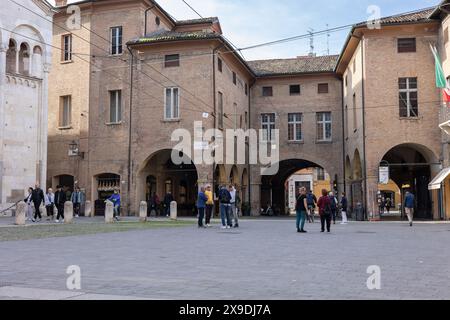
(24, 59)
(36, 63)
(11, 57)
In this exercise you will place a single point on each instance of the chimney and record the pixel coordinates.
(61, 3)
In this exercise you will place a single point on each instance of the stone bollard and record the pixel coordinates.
(88, 209)
(143, 211)
(173, 210)
(21, 213)
(109, 212)
(68, 212)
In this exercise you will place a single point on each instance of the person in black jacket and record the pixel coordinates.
(167, 200)
(38, 199)
(60, 200)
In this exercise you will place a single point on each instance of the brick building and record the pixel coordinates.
(130, 75)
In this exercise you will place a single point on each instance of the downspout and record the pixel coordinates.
(343, 137)
(249, 183)
(215, 112)
(364, 127)
(129, 130)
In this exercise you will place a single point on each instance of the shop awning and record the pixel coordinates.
(437, 181)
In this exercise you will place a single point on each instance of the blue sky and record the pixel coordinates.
(248, 22)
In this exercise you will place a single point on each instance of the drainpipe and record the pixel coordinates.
(129, 130)
(364, 128)
(249, 171)
(214, 116)
(343, 136)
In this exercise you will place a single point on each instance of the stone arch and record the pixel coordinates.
(24, 59)
(348, 169)
(357, 172)
(234, 176)
(11, 57)
(181, 179)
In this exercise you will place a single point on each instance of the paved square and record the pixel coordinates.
(265, 259)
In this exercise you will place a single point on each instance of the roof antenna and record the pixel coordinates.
(328, 40)
(311, 42)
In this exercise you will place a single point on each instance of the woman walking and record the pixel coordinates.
(325, 212)
(301, 208)
(50, 204)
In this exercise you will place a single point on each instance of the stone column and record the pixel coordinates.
(21, 213)
(68, 212)
(88, 208)
(371, 194)
(3, 50)
(173, 210)
(43, 127)
(255, 191)
(143, 211)
(109, 212)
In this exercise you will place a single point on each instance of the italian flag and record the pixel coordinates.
(441, 81)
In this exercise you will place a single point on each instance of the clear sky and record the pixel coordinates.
(248, 22)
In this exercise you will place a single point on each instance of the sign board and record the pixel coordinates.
(384, 176)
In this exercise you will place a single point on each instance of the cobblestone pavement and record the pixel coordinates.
(264, 259)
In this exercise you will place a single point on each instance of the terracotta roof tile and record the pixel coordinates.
(294, 66)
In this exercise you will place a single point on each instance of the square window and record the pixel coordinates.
(267, 91)
(322, 88)
(406, 45)
(294, 90)
(172, 60)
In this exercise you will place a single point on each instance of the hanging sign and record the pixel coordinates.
(384, 175)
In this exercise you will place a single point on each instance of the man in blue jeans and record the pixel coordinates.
(225, 207)
(301, 208)
(115, 199)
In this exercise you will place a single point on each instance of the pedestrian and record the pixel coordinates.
(50, 204)
(334, 204)
(154, 204)
(344, 205)
(201, 205)
(224, 200)
(382, 205)
(388, 205)
(301, 208)
(409, 207)
(233, 207)
(38, 199)
(325, 213)
(60, 200)
(29, 201)
(209, 206)
(76, 198)
(168, 199)
(312, 202)
(115, 199)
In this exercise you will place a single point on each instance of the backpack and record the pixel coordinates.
(328, 209)
(225, 196)
(333, 203)
(310, 198)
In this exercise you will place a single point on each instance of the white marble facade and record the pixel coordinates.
(24, 67)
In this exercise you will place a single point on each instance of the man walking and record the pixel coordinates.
(50, 204)
(409, 207)
(168, 199)
(201, 205)
(76, 199)
(224, 200)
(38, 199)
(312, 202)
(60, 199)
(233, 208)
(334, 203)
(344, 205)
(209, 206)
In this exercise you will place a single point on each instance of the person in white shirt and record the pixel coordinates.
(49, 199)
(29, 201)
(234, 213)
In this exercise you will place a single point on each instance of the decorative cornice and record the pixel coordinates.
(44, 6)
